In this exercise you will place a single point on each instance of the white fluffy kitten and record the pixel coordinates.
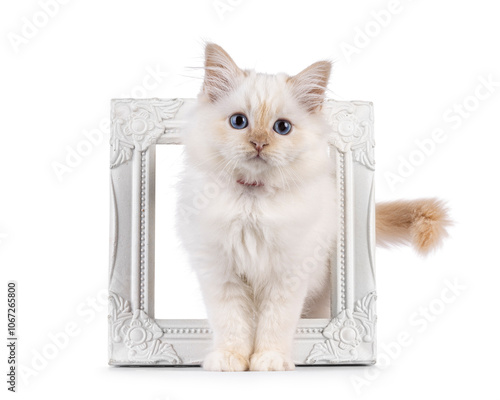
(258, 143)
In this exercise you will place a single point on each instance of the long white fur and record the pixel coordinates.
(260, 252)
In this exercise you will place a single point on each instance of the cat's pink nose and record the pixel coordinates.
(258, 145)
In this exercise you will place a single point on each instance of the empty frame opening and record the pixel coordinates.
(177, 292)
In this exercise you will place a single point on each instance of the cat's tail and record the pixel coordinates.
(421, 223)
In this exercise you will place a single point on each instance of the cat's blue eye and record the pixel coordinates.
(238, 121)
(282, 126)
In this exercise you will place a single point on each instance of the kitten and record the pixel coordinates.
(258, 142)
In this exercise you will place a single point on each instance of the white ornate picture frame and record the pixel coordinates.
(137, 338)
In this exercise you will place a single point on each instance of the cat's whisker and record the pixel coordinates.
(211, 158)
(232, 165)
(228, 164)
(282, 176)
(292, 172)
(292, 176)
(234, 168)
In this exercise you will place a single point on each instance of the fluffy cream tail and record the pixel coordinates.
(421, 223)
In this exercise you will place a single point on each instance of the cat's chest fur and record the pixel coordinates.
(251, 234)
(260, 234)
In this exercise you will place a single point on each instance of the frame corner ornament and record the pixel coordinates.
(138, 123)
(139, 333)
(352, 124)
(346, 334)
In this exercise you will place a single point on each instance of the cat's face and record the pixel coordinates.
(253, 127)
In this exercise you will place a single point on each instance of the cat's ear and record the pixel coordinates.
(221, 72)
(309, 85)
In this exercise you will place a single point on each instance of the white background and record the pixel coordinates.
(56, 86)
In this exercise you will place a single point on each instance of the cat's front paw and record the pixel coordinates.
(270, 361)
(227, 361)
